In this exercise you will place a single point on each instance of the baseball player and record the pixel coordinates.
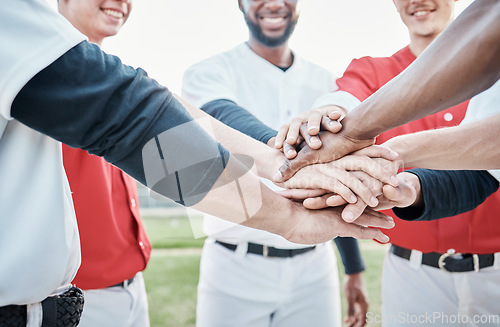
(114, 244)
(476, 27)
(416, 280)
(250, 277)
(121, 114)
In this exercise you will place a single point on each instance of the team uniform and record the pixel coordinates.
(39, 242)
(413, 285)
(39, 245)
(114, 245)
(239, 285)
(482, 106)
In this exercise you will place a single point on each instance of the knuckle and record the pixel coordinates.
(284, 128)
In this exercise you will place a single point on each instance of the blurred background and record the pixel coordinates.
(164, 37)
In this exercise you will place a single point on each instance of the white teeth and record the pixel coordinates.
(273, 20)
(112, 13)
(420, 13)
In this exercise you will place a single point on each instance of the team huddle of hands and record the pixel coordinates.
(327, 169)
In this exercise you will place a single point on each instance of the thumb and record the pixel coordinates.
(305, 157)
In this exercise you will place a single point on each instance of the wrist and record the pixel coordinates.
(356, 128)
(414, 182)
(356, 275)
(400, 145)
(275, 215)
(269, 162)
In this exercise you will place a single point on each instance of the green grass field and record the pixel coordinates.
(172, 274)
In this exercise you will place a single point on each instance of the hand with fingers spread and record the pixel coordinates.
(289, 150)
(320, 129)
(308, 124)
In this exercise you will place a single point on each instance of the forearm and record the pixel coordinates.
(267, 159)
(448, 193)
(468, 146)
(89, 100)
(245, 200)
(460, 63)
(119, 113)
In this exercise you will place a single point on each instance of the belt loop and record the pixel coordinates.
(241, 249)
(475, 261)
(34, 314)
(415, 259)
(496, 261)
(49, 308)
(265, 250)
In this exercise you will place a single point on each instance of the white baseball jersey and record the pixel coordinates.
(271, 94)
(39, 243)
(484, 105)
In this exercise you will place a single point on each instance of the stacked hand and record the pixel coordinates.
(332, 169)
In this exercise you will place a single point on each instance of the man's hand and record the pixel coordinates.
(290, 151)
(338, 177)
(335, 146)
(357, 300)
(407, 193)
(305, 226)
(308, 124)
(319, 226)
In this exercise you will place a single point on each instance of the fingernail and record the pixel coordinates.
(332, 122)
(276, 145)
(394, 181)
(354, 199)
(278, 176)
(373, 201)
(394, 154)
(311, 128)
(314, 139)
(385, 239)
(348, 216)
(291, 152)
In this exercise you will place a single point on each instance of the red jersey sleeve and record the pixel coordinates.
(359, 79)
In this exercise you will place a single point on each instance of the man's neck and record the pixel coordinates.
(419, 43)
(280, 56)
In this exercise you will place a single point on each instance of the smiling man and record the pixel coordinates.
(115, 247)
(415, 283)
(249, 277)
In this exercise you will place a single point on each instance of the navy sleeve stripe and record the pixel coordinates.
(448, 193)
(239, 118)
(89, 100)
(350, 254)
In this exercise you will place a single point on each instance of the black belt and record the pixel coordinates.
(451, 262)
(62, 310)
(125, 283)
(268, 251)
